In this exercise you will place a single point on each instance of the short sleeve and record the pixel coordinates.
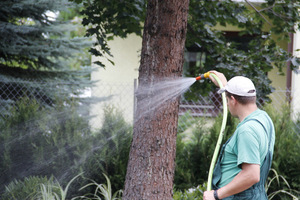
(247, 148)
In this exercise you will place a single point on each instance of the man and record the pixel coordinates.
(245, 159)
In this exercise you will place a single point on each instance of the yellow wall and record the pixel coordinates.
(279, 82)
(117, 80)
(126, 54)
(296, 80)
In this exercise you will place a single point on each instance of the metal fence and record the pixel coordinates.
(122, 97)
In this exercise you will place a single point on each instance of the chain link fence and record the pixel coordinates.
(12, 91)
(121, 96)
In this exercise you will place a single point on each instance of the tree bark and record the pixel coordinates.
(151, 165)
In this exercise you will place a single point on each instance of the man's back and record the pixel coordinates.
(248, 144)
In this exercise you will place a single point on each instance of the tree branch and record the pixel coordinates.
(258, 12)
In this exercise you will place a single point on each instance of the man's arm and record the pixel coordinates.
(249, 175)
(220, 76)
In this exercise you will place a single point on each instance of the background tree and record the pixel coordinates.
(34, 46)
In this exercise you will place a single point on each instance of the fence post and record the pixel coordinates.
(134, 97)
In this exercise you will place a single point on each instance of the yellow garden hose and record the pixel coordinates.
(219, 142)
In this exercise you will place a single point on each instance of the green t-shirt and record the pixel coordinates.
(248, 144)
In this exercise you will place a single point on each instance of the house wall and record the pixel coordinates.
(117, 81)
(279, 81)
(295, 105)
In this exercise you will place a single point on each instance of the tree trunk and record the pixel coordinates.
(151, 165)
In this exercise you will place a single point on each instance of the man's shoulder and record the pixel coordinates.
(260, 117)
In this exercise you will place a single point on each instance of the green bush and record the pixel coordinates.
(193, 156)
(190, 159)
(26, 189)
(42, 141)
(102, 191)
(185, 122)
(57, 141)
(110, 150)
(39, 188)
(190, 194)
(287, 149)
(284, 190)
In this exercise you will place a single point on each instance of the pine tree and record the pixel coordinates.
(35, 46)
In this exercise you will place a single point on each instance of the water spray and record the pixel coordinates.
(221, 134)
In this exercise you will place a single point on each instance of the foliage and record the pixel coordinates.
(25, 189)
(185, 122)
(284, 188)
(110, 149)
(192, 162)
(46, 141)
(34, 187)
(54, 190)
(110, 18)
(286, 160)
(42, 188)
(193, 155)
(31, 39)
(39, 141)
(103, 190)
(253, 51)
(35, 46)
(190, 194)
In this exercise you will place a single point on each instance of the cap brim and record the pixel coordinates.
(221, 90)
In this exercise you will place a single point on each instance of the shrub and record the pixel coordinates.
(102, 191)
(26, 189)
(287, 148)
(110, 150)
(190, 194)
(36, 188)
(284, 189)
(193, 156)
(42, 141)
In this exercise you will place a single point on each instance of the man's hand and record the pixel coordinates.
(220, 76)
(208, 195)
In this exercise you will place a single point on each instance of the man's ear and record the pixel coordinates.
(234, 100)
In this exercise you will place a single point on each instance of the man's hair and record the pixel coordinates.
(242, 99)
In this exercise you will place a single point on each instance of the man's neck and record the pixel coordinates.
(246, 110)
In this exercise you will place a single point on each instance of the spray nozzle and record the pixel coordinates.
(202, 76)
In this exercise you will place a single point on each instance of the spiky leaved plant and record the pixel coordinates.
(102, 191)
(286, 189)
(54, 191)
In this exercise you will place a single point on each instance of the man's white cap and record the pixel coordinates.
(241, 86)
